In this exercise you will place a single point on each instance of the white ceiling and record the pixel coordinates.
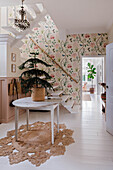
(76, 16)
(17, 2)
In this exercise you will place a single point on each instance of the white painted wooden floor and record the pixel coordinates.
(93, 147)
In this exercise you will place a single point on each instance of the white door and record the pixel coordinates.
(109, 89)
(0, 100)
(99, 79)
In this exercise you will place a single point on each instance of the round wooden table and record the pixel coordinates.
(27, 104)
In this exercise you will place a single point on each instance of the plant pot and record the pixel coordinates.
(38, 94)
(103, 96)
(92, 90)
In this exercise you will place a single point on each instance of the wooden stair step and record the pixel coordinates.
(57, 93)
(33, 24)
(51, 81)
(42, 77)
(65, 97)
(69, 104)
(11, 30)
(35, 8)
(75, 109)
(54, 99)
(55, 87)
(29, 16)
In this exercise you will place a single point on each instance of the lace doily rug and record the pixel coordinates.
(35, 145)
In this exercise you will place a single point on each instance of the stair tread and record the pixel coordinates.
(57, 93)
(69, 103)
(55, 87)
(29, 16)
(65, 97)
(33, 23)
(74, 110)
(51, 81)
(35, 8)
(11, 29)
(53, 97)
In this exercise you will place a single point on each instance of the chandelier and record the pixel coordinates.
(22, 23)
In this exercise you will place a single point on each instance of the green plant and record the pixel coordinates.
(91, 72)
(32, 76)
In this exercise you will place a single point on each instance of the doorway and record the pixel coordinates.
(98, 63)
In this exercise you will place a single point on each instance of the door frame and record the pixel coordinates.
(81, 62)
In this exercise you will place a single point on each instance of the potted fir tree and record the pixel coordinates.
(31, 78)
(91, 75)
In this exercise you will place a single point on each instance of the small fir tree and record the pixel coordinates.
(32, 76)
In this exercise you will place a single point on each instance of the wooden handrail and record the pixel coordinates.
(53, 61)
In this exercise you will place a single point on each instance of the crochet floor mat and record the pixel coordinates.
(35, 145)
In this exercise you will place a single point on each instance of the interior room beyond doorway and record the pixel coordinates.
(98, 63)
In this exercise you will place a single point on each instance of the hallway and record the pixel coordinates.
(93, 147)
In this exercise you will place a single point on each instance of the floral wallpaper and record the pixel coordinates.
(67, 54)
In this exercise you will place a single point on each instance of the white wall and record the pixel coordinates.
(5, 57)
(0, 20)
(110, 35)
(3, 19)
(10, 62)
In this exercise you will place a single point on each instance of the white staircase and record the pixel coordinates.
(18, 36)
(57, 93)
(66, 100)
(38, 15)
(69, 104)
